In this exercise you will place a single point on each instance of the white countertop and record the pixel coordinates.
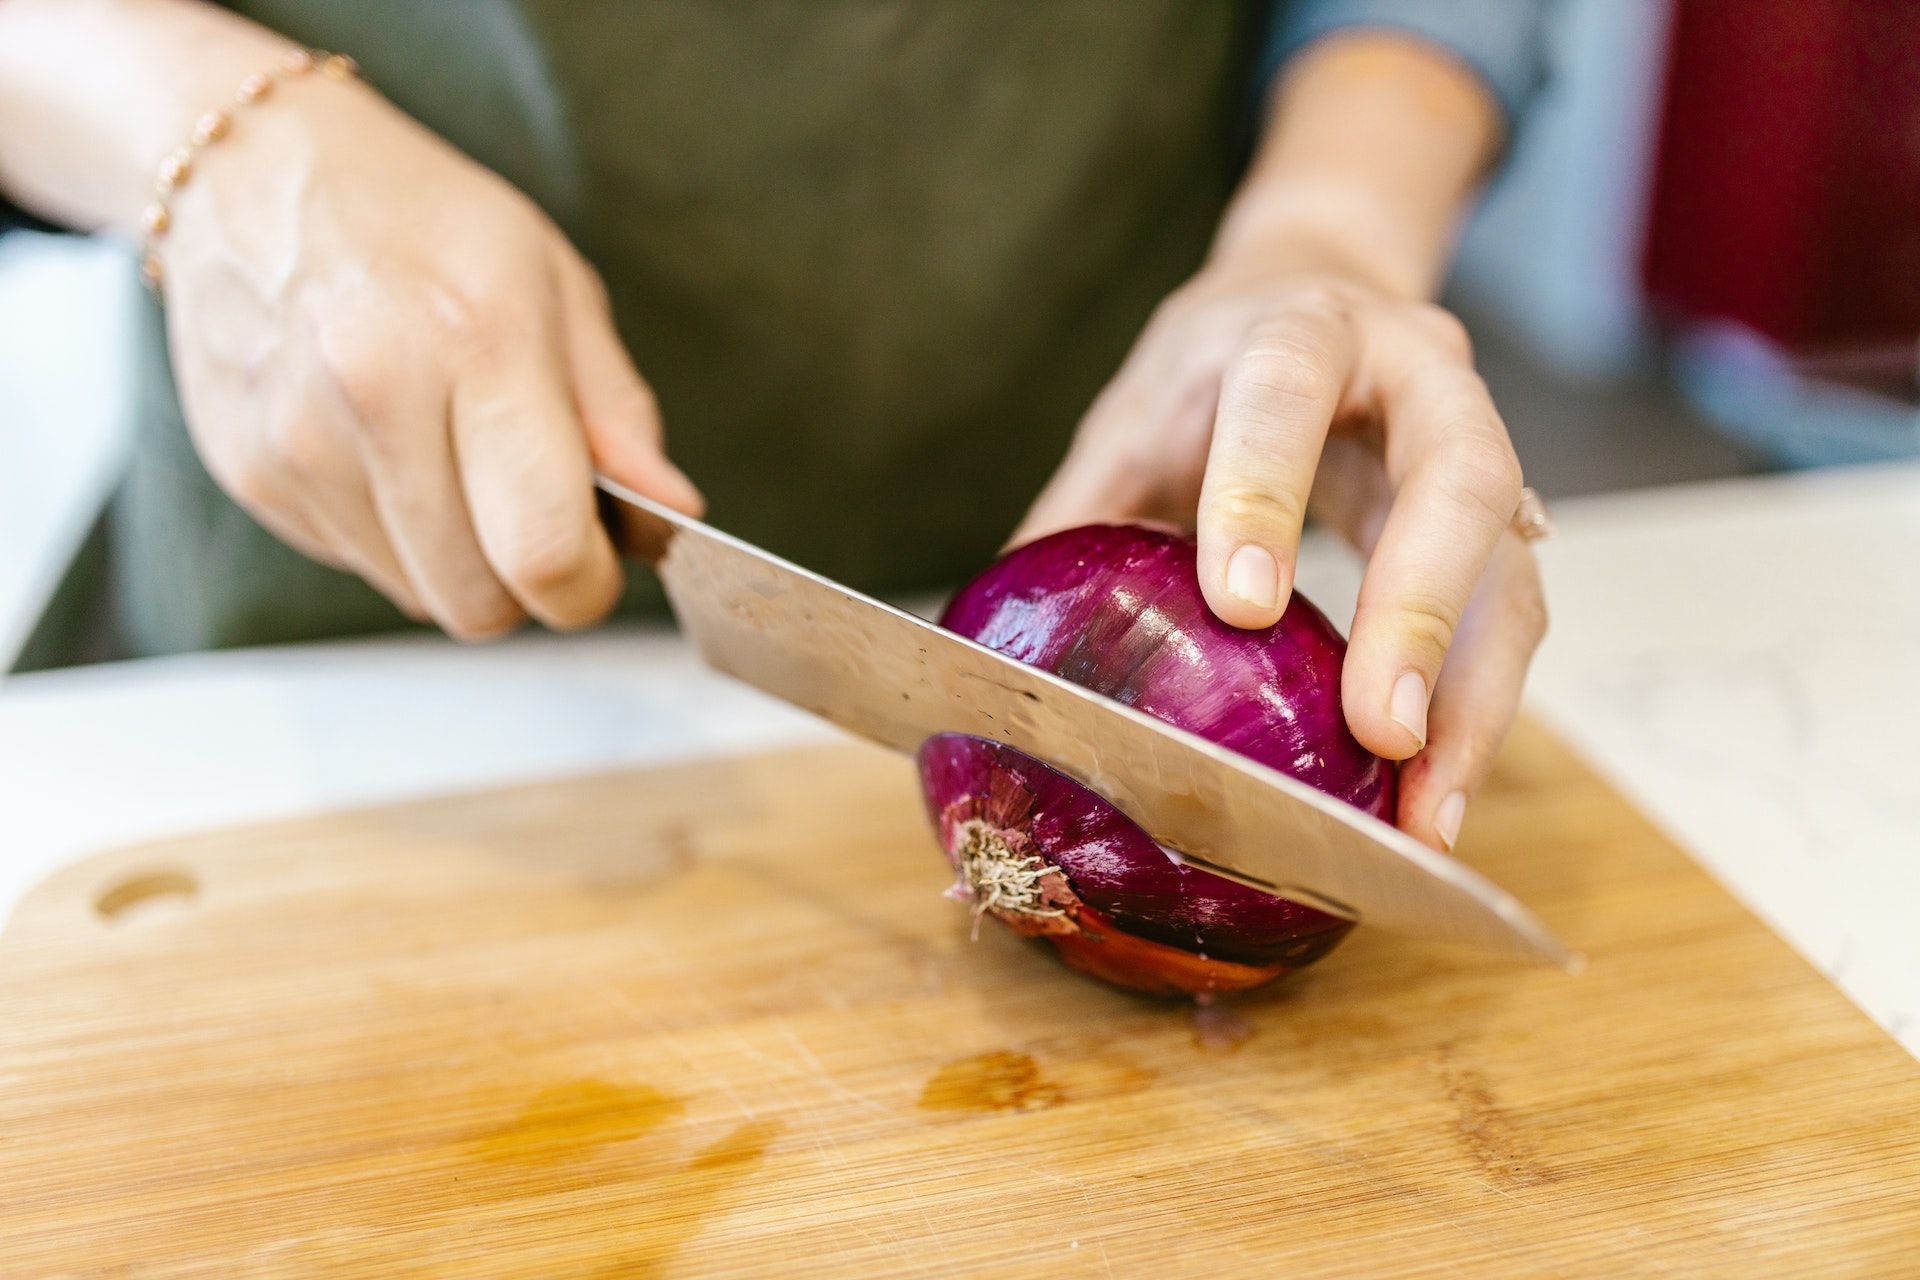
(1742, 659)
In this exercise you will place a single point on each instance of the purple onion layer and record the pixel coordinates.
(1113, 865)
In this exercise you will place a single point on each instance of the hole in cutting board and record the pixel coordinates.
(146, 895)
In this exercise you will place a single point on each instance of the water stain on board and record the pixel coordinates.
(1491, 1134)
(579, 1116)
(1000, 1081)
(744, 1146)
(672, 1197)
(690, 1197)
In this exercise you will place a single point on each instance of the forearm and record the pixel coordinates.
(95, 93)
(1373, 146)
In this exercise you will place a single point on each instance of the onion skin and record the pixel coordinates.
(1118, 609)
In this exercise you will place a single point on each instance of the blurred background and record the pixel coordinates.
(1701, 261)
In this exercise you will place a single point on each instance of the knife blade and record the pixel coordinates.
(889, 676)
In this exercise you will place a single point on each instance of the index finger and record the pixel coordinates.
(1277, 401)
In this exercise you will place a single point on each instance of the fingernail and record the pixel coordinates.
(1254, 576)
(1408, 705)
(1447, 815)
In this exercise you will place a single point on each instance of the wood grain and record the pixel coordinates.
(717, 1020)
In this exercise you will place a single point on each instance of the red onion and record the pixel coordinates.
(1118, 609)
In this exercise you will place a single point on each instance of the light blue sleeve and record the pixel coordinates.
(1501, 41)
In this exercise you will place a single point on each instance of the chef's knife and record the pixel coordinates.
(887, 675)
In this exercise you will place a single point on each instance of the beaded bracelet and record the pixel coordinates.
(211, 128)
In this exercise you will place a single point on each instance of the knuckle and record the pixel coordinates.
(1283, 370)
(1480, 744)
(482, 616)
(304, 445)
(1501, 466)
(467, 319)
(1444, 329)
(582, 609)
(1255, 508)
(368, 385)
(479, 313)
(1427, 624)
(1490, 474)
(545, 553)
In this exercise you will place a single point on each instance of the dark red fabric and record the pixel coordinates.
(1786, 190)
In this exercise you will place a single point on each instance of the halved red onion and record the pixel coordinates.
(1118, 609)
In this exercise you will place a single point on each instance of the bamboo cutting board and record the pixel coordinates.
(717, 1020)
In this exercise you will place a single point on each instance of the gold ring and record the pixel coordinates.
(1530, 519)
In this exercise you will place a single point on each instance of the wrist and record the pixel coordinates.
(1374, 144)
(269, 116)
(94, 94)
(183, 61)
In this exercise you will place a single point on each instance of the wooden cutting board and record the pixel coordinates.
(718, 1020)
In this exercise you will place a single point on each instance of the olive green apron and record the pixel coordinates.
(875, 256)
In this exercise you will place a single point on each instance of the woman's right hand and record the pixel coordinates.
(399, 365)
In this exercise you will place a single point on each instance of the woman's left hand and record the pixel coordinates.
(1261, 393)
